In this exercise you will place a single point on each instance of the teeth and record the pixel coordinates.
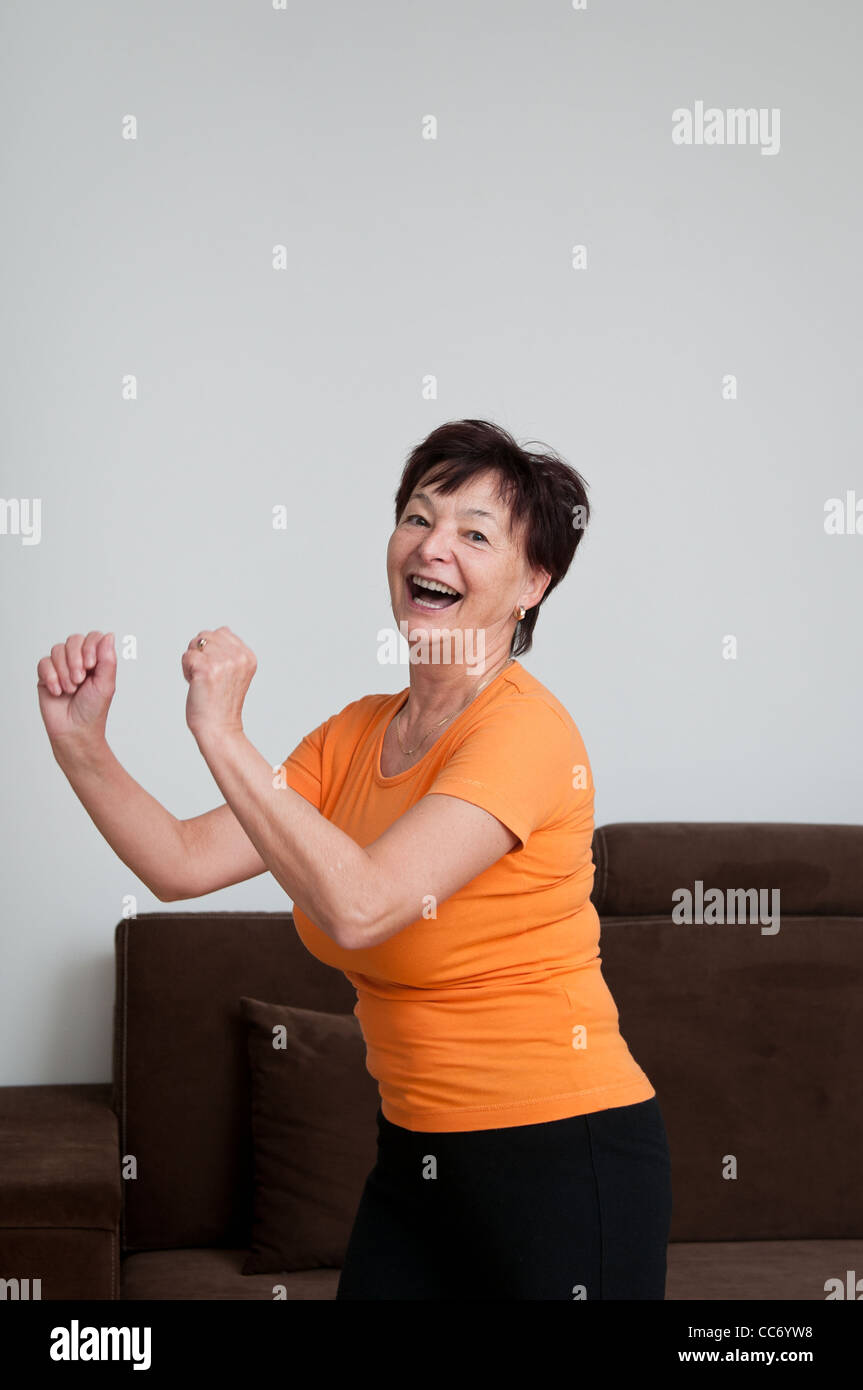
(436, 585)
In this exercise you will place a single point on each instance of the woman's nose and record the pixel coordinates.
(435, 545)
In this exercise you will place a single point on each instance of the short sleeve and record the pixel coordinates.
(517, 762)
(303, 767)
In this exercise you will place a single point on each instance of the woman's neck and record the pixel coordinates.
(438, 691)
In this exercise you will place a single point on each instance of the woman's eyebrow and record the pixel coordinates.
(466, 511)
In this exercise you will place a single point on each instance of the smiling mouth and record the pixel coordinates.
(430, 598)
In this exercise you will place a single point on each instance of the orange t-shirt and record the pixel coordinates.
(495, 1012)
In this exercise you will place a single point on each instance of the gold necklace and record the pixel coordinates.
(409, 751)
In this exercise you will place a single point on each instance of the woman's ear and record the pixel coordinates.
(539, 582)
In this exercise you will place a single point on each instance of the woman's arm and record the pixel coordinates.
(358, 896)
(76, 685)
(176, 859)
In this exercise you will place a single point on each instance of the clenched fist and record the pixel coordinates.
(76, 685)
(219, 675)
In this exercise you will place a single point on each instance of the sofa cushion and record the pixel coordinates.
(719, 1270)
(751, 1270)
(217, 1275)
(314, 1129)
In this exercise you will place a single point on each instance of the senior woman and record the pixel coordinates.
(436, 844)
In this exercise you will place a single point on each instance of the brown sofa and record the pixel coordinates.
(753, 1039)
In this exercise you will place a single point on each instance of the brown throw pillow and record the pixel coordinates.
(314, 1128)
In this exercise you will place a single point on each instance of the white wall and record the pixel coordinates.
(406, 257)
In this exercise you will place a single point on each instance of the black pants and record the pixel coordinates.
(571, 1209)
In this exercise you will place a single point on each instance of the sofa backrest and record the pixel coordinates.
(751, 1037)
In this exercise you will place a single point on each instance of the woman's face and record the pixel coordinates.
(462, 541)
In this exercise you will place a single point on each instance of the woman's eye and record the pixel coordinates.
(415, 516)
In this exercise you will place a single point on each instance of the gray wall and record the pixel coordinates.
(410, 257)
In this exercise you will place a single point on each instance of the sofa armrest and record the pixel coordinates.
(60, 1193)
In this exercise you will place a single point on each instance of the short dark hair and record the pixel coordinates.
(541, 489)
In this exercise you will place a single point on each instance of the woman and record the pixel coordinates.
(436, 845)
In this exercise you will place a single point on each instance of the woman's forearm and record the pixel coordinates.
(141, 832)
(326, 873)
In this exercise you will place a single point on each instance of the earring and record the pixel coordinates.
(519, 613)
